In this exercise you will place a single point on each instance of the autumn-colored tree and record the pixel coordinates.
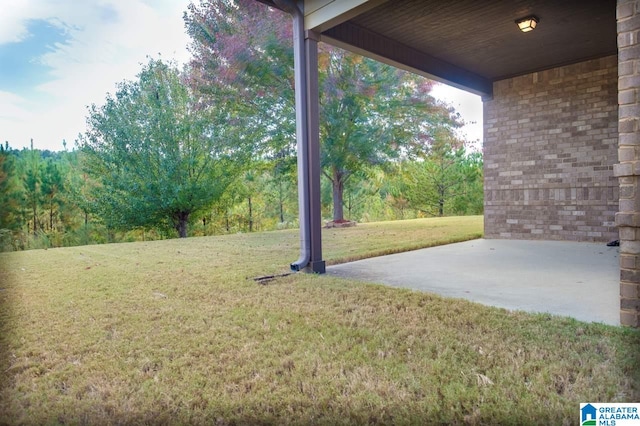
(370, 112)
(242, 58)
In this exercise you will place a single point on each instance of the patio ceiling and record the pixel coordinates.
(471, 43)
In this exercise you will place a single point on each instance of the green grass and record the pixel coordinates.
(177, 332)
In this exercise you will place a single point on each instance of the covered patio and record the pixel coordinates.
(577, 280)
(561, 110)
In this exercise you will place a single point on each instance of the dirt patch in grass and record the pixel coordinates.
(176, 332)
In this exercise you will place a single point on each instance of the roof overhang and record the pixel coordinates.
(468, 44)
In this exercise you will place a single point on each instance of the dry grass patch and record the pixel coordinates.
(175, 332)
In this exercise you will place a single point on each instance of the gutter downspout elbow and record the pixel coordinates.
(302, 129)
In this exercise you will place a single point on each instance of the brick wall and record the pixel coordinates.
(550, 143)
(628, 219)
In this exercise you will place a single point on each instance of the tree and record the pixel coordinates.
(242, 56)
(282, 185)
(51, 187)
(158, 156)
(470, 199)
(395, 187)
(31, 181)
(447, 180)
(249, 189)
(370, 112)
(79, 203)
(9, 198)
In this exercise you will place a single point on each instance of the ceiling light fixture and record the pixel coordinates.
(527, 24)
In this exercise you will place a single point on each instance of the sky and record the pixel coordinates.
(57, 57)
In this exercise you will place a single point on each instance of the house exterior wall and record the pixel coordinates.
(550, 143)
(628, 170)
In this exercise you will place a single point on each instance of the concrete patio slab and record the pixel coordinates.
(579, 280)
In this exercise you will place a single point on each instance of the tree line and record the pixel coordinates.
(209, 147)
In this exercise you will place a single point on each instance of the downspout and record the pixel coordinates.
(302, 127)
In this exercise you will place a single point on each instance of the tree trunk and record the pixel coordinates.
(338, 189)
(281, 201)
(250, 216)
(182, 223)
(35, 220)
(86, 224)
(51, 215)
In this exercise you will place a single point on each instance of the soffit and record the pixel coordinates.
(471, 43)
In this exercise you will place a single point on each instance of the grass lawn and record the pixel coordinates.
(178, 332)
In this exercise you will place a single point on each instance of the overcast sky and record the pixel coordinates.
(59, 56)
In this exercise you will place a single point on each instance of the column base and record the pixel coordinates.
(317, 267)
